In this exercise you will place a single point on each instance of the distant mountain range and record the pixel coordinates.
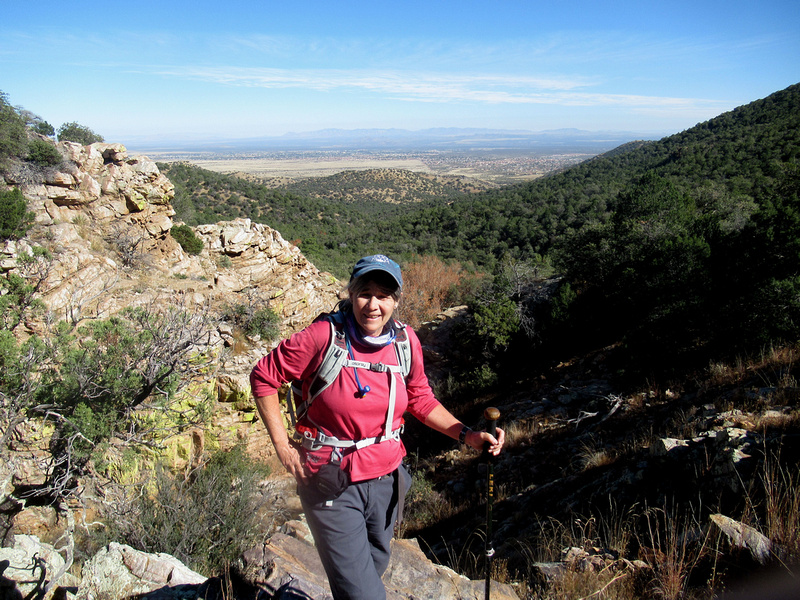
(441, 138)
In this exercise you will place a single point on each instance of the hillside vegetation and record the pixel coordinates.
(689, 240)
(736, 157)
(387, 185)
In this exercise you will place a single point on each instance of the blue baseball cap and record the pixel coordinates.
(377, 262)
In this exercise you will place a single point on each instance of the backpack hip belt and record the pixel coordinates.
(315, 440)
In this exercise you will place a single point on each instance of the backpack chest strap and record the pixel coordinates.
(337, 356)
(376, 367)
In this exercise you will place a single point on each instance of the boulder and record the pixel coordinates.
(744, 537)
(233, 388)
(286, 567)
(119, 571)
(28, 567)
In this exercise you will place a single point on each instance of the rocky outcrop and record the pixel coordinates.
(744, 537)
(28, 567)
(33, 569)
(106, 217)
(285, 567)
(100, 181)
(261, 258)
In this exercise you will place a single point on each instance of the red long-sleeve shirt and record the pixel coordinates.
(339, 410)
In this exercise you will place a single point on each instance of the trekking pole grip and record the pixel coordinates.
(491, 414)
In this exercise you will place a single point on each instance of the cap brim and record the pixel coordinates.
(370, 268)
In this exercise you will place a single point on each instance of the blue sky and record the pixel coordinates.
(204, 70)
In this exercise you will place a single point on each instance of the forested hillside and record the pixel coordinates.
(387, 185)
(690, 240)
(736, 158)
(697, 250)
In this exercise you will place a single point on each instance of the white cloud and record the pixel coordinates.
(439, 87)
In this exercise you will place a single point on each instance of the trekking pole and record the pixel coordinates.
(491, 415)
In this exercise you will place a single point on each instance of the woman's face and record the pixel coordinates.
(373, 308)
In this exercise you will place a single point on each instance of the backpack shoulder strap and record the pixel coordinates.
(402, 346)
(332, 362)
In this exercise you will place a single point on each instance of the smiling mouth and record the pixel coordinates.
(371, 323)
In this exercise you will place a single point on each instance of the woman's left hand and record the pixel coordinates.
(478, 440)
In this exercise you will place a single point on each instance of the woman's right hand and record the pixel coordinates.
(292, 461)
(269, 408)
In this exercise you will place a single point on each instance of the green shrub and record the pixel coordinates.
(43, 153)
(18, 291)
(483, 378)
(265, 323)
(205, 520)
(252, 321)
(44, 128)
(105, 370)
(15, 220)
(13, 137)
(9, 352)
(186, 237)
(75, 132)
(497, 323)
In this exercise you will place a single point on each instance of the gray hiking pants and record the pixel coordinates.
(353, 534)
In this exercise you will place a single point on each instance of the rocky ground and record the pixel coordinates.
(592, 462)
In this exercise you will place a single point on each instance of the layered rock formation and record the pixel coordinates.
(106, 217)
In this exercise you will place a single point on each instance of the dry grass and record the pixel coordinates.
(774, 510)
(604, 579)
(782, 487)
(519, 433)
(604, 585)
(774, 367)
(593, 454)
(673, 545)
(722, 374)
(776, 421)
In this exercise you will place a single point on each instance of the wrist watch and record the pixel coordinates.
(463, 435)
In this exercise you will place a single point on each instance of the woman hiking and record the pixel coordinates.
(348, 462)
